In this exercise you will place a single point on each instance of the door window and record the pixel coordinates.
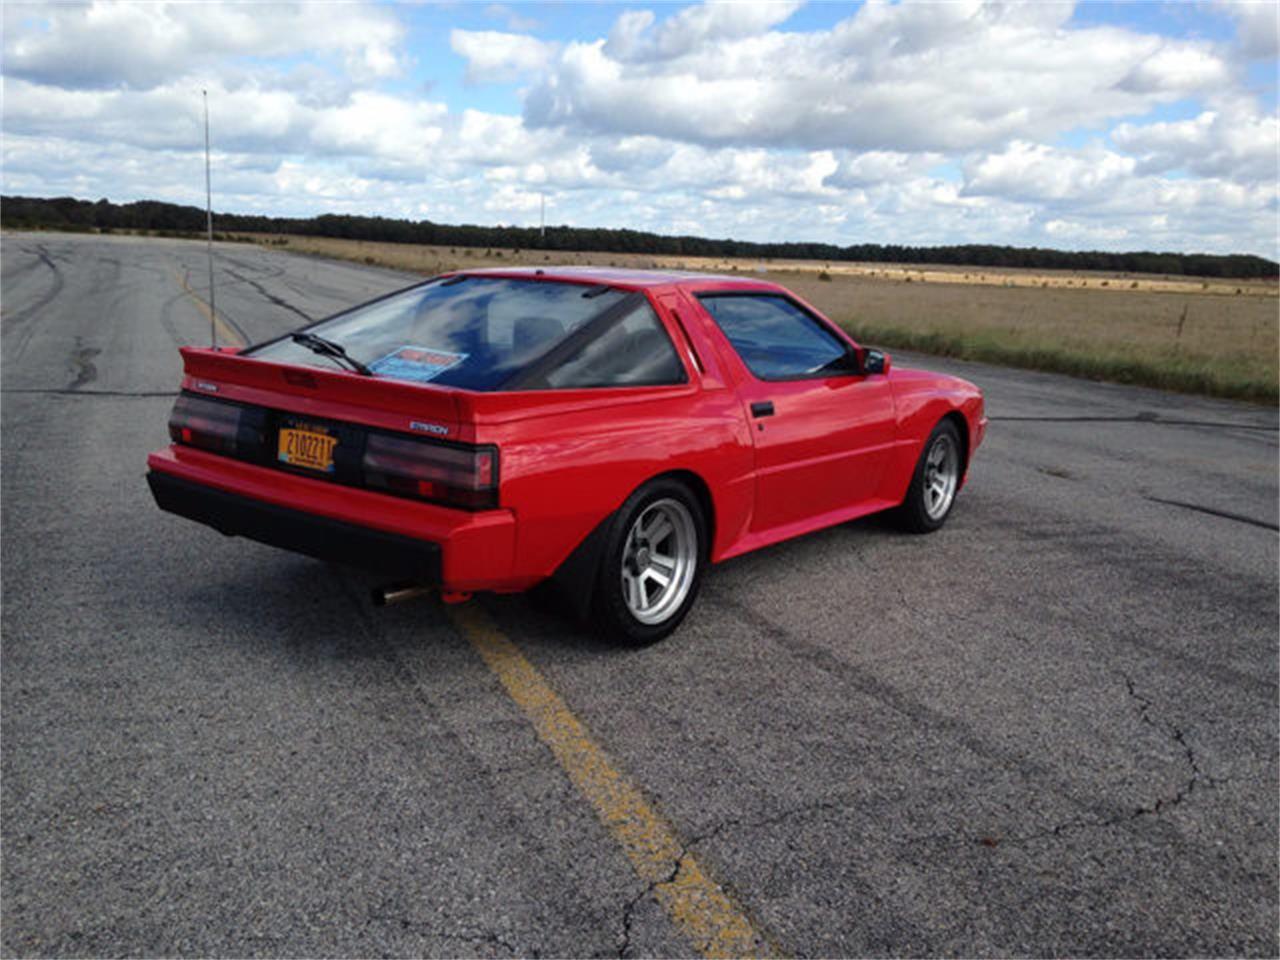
(776, 339)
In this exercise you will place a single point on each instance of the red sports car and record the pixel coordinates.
(611, 432)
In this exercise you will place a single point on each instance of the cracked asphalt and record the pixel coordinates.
(1049, 729)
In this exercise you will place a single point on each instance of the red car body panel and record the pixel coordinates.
(834, 449)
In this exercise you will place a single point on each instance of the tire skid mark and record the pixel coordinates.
(166, 318)
(29, 313)
(267, 269)
(229, 328)
(311, 288)
(11, 271)
(72, 392)
(1084, 546)
(86, 371)
(1042, 778)
(278, 301)
(1146, 419)
(1214, 512)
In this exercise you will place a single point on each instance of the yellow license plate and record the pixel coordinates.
(307, 447)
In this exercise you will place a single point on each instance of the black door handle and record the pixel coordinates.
(762, 408)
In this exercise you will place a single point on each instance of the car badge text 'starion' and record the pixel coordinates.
(436, 428)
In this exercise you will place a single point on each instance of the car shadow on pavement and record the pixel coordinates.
(275, 603)
(543, 620)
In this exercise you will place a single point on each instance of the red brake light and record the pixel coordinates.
(486, 463)
(207, 424)
(455, 475)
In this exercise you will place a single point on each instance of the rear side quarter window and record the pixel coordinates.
(633, 351)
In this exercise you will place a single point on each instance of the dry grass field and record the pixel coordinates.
(1220, 344)
(1201, 336)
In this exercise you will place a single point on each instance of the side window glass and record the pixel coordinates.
(775, 338)
(634, 351)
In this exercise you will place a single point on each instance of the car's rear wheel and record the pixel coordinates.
(933, 488)
(653, 562)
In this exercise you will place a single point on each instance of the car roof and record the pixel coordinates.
(627, 279)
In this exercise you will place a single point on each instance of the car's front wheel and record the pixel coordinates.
(653, 563)
(937, 479)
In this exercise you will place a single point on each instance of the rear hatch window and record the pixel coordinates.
(477, 333)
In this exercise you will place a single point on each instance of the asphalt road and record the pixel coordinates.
(1049, 729)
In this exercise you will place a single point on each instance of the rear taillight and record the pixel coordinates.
(216, 425)
(455, 475)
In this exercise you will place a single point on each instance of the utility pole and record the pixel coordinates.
(208, 213)
(542, 206)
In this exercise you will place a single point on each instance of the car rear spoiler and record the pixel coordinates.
(210, 370)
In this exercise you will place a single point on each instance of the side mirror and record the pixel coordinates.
(875, 361)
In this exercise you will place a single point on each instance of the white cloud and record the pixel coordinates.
(1235, 144)
(1085, 234)
(494, 57)
(382, 125)
(1093, 196)
(510, 199)
(1257, 26)
(245, 119)
(902, 77)
(1028, 171)
(880, 166)
(692, 28)
(1176, 69)
(143, 45)
(514, 21)
(493, 139)
(630, 154)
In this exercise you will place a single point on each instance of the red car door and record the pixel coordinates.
(823, 431)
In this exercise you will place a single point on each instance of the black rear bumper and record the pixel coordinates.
(316, 536)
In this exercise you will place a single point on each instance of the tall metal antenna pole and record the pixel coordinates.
(542, 206)
(208, 211)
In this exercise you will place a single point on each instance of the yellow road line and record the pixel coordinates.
(694, 902)
(229, 334)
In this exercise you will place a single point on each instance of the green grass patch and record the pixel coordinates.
(1163, 369)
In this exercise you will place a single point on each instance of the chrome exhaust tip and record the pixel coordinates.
(391, 593)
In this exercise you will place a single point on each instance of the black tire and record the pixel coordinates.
(923, 510)
(613, 610)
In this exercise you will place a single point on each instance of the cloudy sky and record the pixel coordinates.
(1134, 126)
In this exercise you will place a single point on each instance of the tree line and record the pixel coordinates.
(68, 213)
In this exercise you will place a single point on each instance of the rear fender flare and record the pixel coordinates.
(574, 581)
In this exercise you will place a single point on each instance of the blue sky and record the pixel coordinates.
(1093, 125)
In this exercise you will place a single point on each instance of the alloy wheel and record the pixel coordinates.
(659, 560)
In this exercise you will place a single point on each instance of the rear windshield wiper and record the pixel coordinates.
(327, 348)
